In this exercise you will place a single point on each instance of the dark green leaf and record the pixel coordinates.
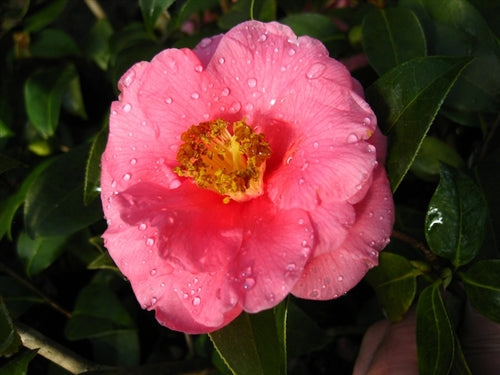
(12, 13)
(433, 151)
(43, 94)
(151, 11)
(9, 339)
(93, 169)
(46, 15)
(73, 99)
(482, 285)
(262, 10)
(406, 100)
(19, 364)
(54, 203)
(314, 25)
(391, 37)
(53, 43)
(7, 163)
(460, 365)
(98, 43)
(435, 336)
(252, 344)
(118, 348)
(191, 7)
(9, 206)
(98, 312)
(395, 282)
(17, 296)
(456, 217)
(103, 261)
(40, 253)
(5, 132)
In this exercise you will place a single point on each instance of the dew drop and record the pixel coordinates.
(289, 160)
(133, 161)
(198, 68)
(195, 95)
(168, 100)
(270, 297)
(305, 166)
(150, 241)
(314, 293)
(291, 52)
(153, 272)
(174, 184)
(291, 267)
(127, 107)
(352, 138)
(162, 285)
(196, 301)
(225, 92)
(249, 283)
(126, 177)
(371, 148)
(315, 145)
(301, 181)
(367, 121)
(185, 295)
(262, 38)
(113, 184)
(340, 278)
(153, 301)
(272, 102)
(205, 42)
(315, 71)
(222, 60)
(142, 227)
(252, 82)
(129, 78)
(301, 221)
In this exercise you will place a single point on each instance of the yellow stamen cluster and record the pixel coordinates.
(226, 158)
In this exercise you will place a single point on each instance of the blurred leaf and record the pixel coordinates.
(460, 365)
(12, 12)
(151, 11)
(456, 28)
(9, 206)
(5, 132)
(103, 261)
(432, 151)
(489, 9)
(8, 163)
(46, 15)
(43, 94)
(98, 312)
(98, 43)
(9, 339)
(54, 203)
(19, 364)
(391, 37)
(482, 285)
(53, 44)
(263, 10)
(395, 282)
(73, 99)
(456, 217)
(41, 147)
(40, 253)
(253, 343)
(118, 348)
(91, 188)
(435, 337)
(314, 25)
(190, 7)
(17, 296)
(406, 100)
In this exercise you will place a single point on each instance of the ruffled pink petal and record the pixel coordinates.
(276, 247)
(334, 273)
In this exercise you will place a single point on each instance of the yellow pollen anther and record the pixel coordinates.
(226, 158)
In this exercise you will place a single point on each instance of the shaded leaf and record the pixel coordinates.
(53, 43)
(151, 11)
(406, 100)
(395, 282)
(54, 202)
(456, 217)
(7, 163)
(190, 7)
(13, 12)
(19, 364)
(391, 37)
(103, 261)
(482, 285)
(9, 339)
(93, 168)
(73, 99)
(243, 10)
(40, 253)
(45, 16)
(98, 47)
(435, 336)
(314, 25)
(252, 343)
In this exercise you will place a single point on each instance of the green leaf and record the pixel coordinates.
(9, 339)
(253, 344)
(43, 94)
(8, 163)
(45, 16)
(190, 7)
(433, 151)
(98, 47)
(52, 44)
(9, 206)
(482, 286)
(17, 296)
(262, 10)
(151, 11)
(456, 217)
(314, 25)
(406, 99)
(93, 169)
(395, 282)
(98, 312)
(103, 261)
(13, 12)
(391, 37)
(73, 99)
(40, 253)
(54, 203)
(19, 364)
(435, 336)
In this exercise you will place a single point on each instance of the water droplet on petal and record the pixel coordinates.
(225, 92)
(129, 78)
(262, 38)
(222, 60)
(127, 107)
(252, 82)
(195, 95)
(174, 184)
(196, 301)
(142, 227)
(314, 293)
(153, 301)
(291, 52)
(315, 71)
(150, 241)
(371, 148)
(340, 278)
(168, 100)
(198, 68)
(301, 181)
(205, 42)
(249, 283)
(270, 297)
(367, 121)
(153, 272)
(315, 145)
(352, 138)
(133, 161)
(235, 107)
(272, 102)
(301, 221)
(126, 177)
(289, 160)
(291, 267)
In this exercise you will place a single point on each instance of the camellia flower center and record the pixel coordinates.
(227, 158)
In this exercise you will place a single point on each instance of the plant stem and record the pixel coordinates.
(96, 9)
(431, 257)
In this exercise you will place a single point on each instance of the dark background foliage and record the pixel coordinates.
(431, 70)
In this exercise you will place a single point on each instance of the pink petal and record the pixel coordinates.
(334, 273)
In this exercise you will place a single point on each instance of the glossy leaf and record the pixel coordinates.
(253, 344)
(435, 336)
(395, 282)
(314, 25)
(151, 11)
(93, 169)
(43, 94)
(391, 37)
(54, 202)
(456, 217)
(98, 43)
(52, 44)
(40, 253)
(9, 339)
(482, 285)
(406, 100)
(18, 365)
(45, 16)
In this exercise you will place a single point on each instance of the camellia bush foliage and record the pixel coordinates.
(431, 74)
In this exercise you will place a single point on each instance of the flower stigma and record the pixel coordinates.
(227, 158)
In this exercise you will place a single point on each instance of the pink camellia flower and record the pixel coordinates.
(239, 172)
